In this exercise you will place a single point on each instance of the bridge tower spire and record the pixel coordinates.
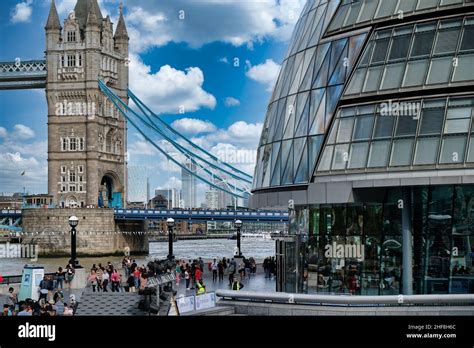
(86, 134)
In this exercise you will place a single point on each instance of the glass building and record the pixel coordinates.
(369, 142)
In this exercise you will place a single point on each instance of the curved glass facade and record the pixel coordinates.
(369, 142)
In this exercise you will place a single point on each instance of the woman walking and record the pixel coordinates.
(187, 276)
(178, 272)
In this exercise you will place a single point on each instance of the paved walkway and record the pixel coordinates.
(256, 282)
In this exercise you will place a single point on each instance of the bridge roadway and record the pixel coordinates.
(183, 214)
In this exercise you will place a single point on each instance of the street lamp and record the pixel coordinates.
(73, 222)
(238, 225)
(170, 223)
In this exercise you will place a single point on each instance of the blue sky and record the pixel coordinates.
(183, 53)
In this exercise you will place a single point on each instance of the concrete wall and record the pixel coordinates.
(96, 232)
(265, 309)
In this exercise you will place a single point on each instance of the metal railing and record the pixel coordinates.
(282, 297)
(16, 279)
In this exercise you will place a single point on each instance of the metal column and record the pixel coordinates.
(407, 251)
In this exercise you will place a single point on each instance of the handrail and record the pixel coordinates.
(283, 297)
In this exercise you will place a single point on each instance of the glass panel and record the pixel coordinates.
(401, 152)
(392, 76)
(426, 151)
(406, 5)
(415, 73)
(368, 10)
(379, 151)
(470, 155)
(384, 126)
(432, 121)
(467, 42)
(457, 119)
(422, 4)
(339, 18)
(453, 149)
(406, 126)
(325, 163)
(456, 126)
(440, 70)
(380, 51)
(363, 127)
(373, 78)
(400, 46)
(332, 136)
(464, 71)
(356, 81)
(386, 8)
(447, 41)
(358, 155)
(422, 44)
(341, 156)
(345, 129)
(353, 13)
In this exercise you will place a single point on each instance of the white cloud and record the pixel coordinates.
(21, 13)
(3, 132)
(238, 23)
(231, 101)
(193, 126)
(169, 90)
(223, 60)
(265, 73)
(23, 132)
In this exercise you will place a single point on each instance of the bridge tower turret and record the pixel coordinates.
(86, 133)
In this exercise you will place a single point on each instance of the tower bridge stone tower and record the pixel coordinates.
(86, 133)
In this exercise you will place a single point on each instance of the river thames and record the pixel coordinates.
(208, 249)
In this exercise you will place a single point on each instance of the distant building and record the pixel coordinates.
(159, 201)
(11, 200)
(39, 200)
(188, 185)
(212, 199)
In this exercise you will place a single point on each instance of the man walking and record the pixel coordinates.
(214, 271)
(232, 270)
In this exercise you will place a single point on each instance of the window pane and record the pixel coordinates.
(440, 70)
(393, 76)
(386, 8)
(453, 150)
(406, 126)
(422, 44)
(406, 5)
(353, 13)
(363, 127)
(456, 126)
(447, 41)
(422, 4)
(401, 152)
(384, 126)
(380, 51)
(325, 162)
(332, 136)
(341, 156)
(373, 78)
(356, 83)
(464, 71)
(431, 121)
(358, 155)
(345, 129)
(368, 10)
(415, 73)
(470, 155)
(400, 47)
(467, 42)
(379, 151)
(426, 151)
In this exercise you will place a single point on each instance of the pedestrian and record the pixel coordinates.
(131, 283)
(59, 277)
(177, 272)
(43, 289)
(241, 270)
(70, 272)
(93, 280)
(12, 297)
(214, 271)
(105, 281)
(198, 274)
(232, 270)
(247, 268)
(136, 277)
(200, 287)
(237, 285)
(220, 269)
(115, 279)
(187, 276)
(201, 264)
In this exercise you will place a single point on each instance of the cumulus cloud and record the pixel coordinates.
(21, 13)
(23, 132)
(193, 126)
(265, 73)
(231, 101)
(3, 132)
(170, 90)
(238, 23)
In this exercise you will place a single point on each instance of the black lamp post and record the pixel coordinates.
(73, 222)
(238, 225)
(170, 223)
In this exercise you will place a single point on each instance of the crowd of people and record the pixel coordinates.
(269, 267)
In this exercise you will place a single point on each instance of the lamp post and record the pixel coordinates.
(170, 223)
(73, 222)
(238, 225)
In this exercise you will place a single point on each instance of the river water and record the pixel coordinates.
(208, 249)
